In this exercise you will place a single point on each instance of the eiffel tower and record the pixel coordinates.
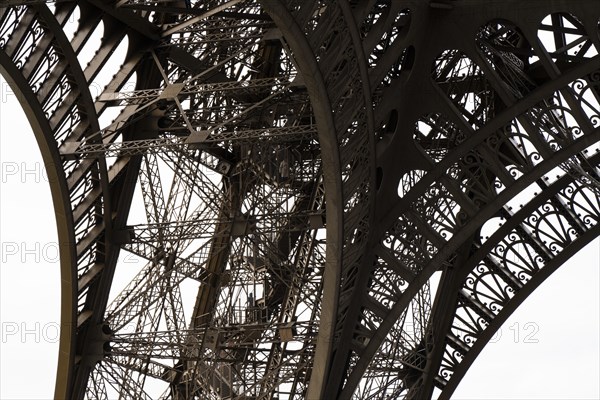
(356, 194)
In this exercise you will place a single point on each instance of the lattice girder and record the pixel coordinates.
(459, 195)
(307, 167)
(478, 122)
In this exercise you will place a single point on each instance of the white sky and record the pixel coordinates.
(549, 349)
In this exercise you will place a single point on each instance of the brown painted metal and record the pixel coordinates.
(309, 168)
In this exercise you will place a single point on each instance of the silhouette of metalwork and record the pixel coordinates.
(357, 193)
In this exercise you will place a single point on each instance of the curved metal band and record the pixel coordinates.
(61, 189)
(333, 186)
(329, 43)
(64, 220)
(536, 280)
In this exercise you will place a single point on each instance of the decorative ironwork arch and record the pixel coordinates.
(311, 197)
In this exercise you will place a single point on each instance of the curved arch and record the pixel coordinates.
(379, 260)
(468, 228)
(62, 208)
(347, 129)
(328, 140)
(532, 284)
(27, 58)
(152, 81)
(477, 206)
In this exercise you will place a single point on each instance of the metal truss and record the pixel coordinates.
(325, 199)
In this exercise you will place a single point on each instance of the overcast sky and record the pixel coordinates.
(547, 350)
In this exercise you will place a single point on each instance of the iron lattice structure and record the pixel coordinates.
(356, 193)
